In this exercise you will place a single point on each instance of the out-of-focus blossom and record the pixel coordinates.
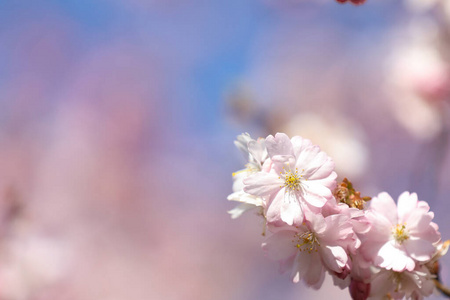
(300, 175)
(399, 235)
(356, 2)
(419, 6)
(419, 81)
(30, 264)
(339, 137)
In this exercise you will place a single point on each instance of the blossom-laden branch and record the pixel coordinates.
(378, 249)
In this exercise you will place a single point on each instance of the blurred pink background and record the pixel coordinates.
(117, 124)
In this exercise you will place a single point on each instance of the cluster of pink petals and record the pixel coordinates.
(400, 236)
(383, 250)
(300, 176)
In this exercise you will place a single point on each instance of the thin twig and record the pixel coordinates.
(442, 288)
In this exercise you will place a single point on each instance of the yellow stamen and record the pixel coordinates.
(292, 180)
(306, 242)
(400, 233)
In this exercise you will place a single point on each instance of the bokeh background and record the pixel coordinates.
(118, 117)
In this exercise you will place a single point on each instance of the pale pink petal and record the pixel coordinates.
(262, 184)
(329, 181)
(320, 281)
(315, 273)
(279, 145)
(418, 222)
(324, 171)
(283, 163)
(423, 205)
(245, 198)
(316, 222)
(286, 264)
(385, 205)
(242, 142)
(299, 144)
(338, 227)
(406, 204)
(297, 267)
(419, 249)
(380, 228)
(369, 249)
(310, 160)
(240, 209)
(381, 284)
(431, 235)
(315, 187)
(304, 263)
(392, 257)
(333, 257)
(257, 150)
(291, 211)
(279, 246)
(274, 207)
(312, 195)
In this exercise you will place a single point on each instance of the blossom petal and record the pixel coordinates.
(419, 249)
(323, 171)
(406, 204)
(262, 184)
(279, 245)
(380, 228)
(257, 150)
(314, 274)
(333, 257)
(298, 267)
(240, 209)
(392, 257)
(310, 160)
(314, 195)
(418, 221)
(274, 207)
(279, 145)
(385, 205)
(299, 144)
(291, 211)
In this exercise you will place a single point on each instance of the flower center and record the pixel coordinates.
(400, 233)
(306, 242)
(292, 180)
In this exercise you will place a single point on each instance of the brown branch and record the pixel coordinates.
(442, 288)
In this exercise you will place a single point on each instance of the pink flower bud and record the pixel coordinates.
(359, 290)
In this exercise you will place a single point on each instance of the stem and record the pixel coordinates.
(442, 288)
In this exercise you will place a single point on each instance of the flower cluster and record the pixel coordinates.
(375, 247)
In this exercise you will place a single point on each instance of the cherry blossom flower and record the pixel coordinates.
(256, 154)
(317, 245)
(300, 174)
(414, 284)
(399, 235)
(378, 251)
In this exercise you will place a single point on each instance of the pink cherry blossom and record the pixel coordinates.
(414, 284)
(399, 235)
(255, 153)
(312, 248)
(300, 175)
